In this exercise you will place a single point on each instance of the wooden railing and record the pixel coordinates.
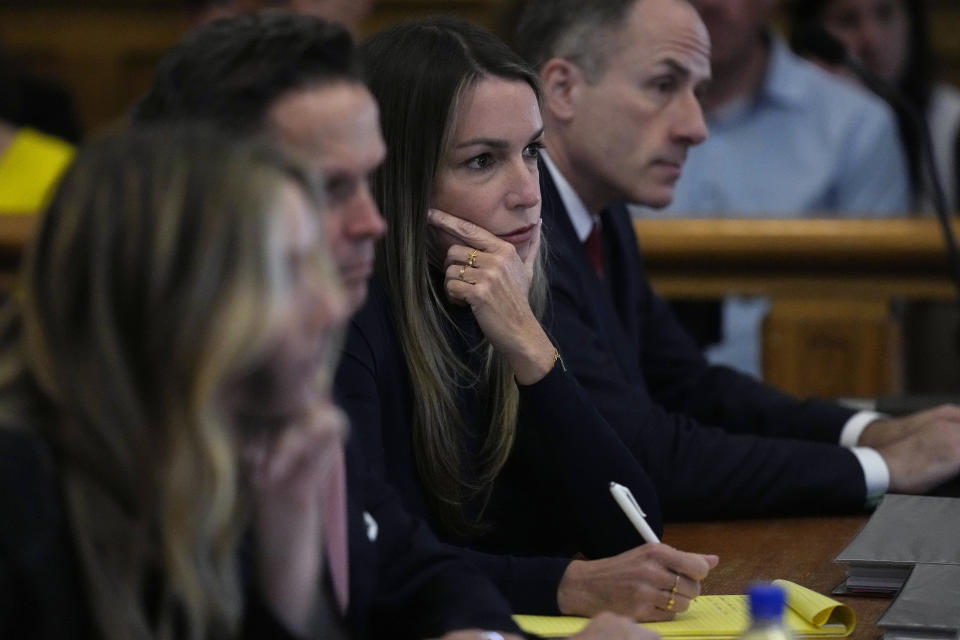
(830, 332)
(105, 51)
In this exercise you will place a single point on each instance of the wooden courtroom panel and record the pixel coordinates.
(879, 259)
(944, 21)
(830, 332)
(832, 348)
(105, 52)
(104, 55)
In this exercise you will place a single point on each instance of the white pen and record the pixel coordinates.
(632, 510)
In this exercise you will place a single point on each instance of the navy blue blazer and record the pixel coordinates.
(550, 501)
(403, 582)
(398, 571)
(764, 452)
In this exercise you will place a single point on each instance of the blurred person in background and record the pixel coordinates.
(787, 140)
(39, 103)
(890, 38)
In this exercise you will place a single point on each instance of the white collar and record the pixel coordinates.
(581, 219)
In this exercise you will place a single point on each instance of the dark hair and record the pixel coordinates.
(419, 72)
(577, 30)
(915, 83)
(30, 101)
(231, 71)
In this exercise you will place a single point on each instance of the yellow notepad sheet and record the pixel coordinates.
(721, 617)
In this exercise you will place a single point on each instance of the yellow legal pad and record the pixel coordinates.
(809, 614)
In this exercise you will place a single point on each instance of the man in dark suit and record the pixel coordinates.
(621, 80)
(295, 79)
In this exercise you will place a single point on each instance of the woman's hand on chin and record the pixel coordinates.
(486, 273)
(290, 476)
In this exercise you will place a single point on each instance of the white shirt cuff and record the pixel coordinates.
(850, 434)
(876, 475)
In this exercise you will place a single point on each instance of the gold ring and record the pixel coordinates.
(463, 270)
(472, 258)
(670, 604)
(676, 585)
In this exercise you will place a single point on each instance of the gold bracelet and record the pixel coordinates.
(557, 356)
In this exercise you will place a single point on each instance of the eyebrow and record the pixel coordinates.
(675, 66)
(494, 142)
(683, 71)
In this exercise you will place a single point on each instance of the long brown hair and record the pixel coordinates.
(418, 72)
(151, 282)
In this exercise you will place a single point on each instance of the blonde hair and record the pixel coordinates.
(150, 284)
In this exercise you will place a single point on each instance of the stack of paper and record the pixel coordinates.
(928, 605)
(902, 532)
(722, 617)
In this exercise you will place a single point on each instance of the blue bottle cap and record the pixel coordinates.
(766, 601)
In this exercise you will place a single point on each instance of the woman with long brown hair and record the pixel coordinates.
(460, 398)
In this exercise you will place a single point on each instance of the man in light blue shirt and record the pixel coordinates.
(806, 145)
(787, 140)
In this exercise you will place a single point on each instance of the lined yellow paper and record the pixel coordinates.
(722, 617)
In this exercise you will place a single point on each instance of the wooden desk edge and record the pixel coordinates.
(899, 241)
(800, 549)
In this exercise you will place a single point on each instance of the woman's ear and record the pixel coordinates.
(561, 80)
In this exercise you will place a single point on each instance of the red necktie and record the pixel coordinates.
(335, 528)
(594, 245)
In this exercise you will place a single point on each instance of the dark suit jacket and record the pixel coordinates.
(404, 583)
(771, 453)
(401, 576)
(550, 501)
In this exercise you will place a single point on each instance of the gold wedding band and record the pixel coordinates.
(673, 593)
(463, 270)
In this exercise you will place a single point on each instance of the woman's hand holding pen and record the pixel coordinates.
(486, 273)
(639, 583)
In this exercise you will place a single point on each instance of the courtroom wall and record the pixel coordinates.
(104, 51)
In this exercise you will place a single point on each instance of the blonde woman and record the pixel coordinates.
(174, 316)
